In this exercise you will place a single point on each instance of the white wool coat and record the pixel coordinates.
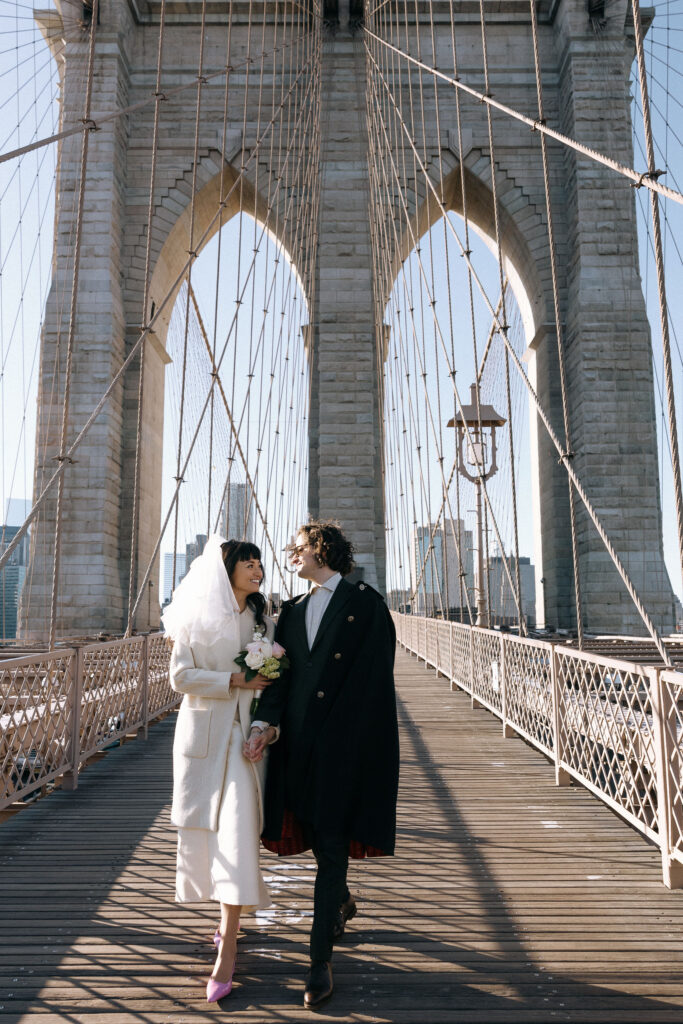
(202, 735)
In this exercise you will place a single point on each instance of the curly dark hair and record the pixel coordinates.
(329, 545)
(235, 551)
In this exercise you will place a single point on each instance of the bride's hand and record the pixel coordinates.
(239, 681)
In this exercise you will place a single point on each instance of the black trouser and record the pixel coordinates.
(332, 855)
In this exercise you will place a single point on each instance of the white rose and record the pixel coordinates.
(266, 648)
(254, 659)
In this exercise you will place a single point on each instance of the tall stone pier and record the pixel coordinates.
(345, 481)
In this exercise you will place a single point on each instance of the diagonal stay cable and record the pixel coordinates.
(40, 501)
(96, 121)
(640, 180)
(626, 579)
(235, 433)
(471, 446)
(181, 475)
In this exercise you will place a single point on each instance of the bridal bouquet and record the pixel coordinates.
(262, 656)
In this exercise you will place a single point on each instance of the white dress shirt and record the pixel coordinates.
(318, 600)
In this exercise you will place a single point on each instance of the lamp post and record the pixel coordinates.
(482, 423)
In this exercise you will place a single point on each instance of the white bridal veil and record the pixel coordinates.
(203, 609)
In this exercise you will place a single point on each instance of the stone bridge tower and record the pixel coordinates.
(609, 360)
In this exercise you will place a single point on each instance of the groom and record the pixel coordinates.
(333, 773)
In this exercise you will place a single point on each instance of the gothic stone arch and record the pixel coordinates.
(607, 335)
(96, 534)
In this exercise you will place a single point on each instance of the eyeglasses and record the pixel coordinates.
(294, 550)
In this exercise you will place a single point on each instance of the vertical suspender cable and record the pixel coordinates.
(558, 328)
(135, 523)
(63, 457)
(653, 174)
(501, 274)
(197, 124)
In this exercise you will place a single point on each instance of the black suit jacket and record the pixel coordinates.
(335, 766)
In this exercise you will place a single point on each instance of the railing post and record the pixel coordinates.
(508, 731)
(145, 688)
(471, 680)
(667, 765)
(424, 642)
(451, 672)
(473, 700)
(70, 777)
(562, 776)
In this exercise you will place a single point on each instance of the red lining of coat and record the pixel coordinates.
(292, 841)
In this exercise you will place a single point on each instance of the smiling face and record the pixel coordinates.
(246, 577)
(303, 560)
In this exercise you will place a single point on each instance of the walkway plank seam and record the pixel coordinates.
(510, 901)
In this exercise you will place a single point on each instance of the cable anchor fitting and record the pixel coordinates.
(91, 125)
(63, 458)
(651, 175)
(540, 122)
(565, 457)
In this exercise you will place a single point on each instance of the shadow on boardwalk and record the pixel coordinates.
(509, 900)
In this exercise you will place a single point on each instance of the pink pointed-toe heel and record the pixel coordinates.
(216, 990)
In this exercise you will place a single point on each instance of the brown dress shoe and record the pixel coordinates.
(319, 986)
(347, 910)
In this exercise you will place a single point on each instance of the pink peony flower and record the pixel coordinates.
(278, 650)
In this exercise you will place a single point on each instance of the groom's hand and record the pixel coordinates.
(256, 744)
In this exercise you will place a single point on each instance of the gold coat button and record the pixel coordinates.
(337, 656)
(350, 618)
(321, 693)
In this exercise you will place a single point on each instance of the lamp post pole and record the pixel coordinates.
(480, 423)
(482, 608)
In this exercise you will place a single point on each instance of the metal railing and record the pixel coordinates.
(58, 709)
(614, 726)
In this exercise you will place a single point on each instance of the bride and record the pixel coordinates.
(217, 793)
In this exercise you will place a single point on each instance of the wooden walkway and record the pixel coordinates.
(509, 900)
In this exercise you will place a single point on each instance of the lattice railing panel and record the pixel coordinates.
(443, 647)
(36, 713)
(606, 735)
(528, 690)
(160, 695)
(672, 749)
(612, 725)
(431, 652)
(462, 661)
(487, 675)
(113, 699)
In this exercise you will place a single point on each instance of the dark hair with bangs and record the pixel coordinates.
(329, 545)
(235, 551)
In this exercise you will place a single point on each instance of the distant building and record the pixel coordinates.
(237, 513)
(169, 584)
(13, 574)
(439, 580)
(503, 607)
(399, 600)
(193, 550)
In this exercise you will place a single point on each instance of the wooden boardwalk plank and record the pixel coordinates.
(509, 900)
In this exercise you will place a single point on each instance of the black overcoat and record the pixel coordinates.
(335, 765)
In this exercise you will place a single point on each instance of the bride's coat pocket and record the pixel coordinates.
(193, 731)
